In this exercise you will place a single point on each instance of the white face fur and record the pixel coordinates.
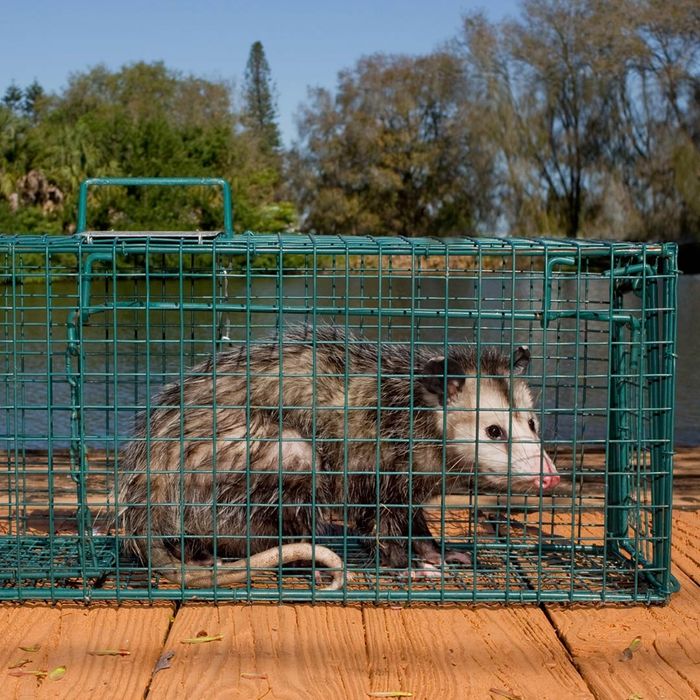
(499, 445)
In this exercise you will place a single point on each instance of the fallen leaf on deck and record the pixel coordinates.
(629, 652)
(202, 640)
(504, 694)
(57, 673)
(21, 663)
(20, 672)
(390, 694)
(31, 649)
(109, 652)
(163, 662)
(254, 676)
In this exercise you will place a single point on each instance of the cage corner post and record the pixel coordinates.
(90, 566)
(661, 328)
(617, 453)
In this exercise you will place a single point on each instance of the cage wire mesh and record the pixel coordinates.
(343, 412)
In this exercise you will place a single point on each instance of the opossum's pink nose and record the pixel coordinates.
(550, 477)
(550, 481)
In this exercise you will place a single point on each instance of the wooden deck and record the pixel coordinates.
(329, 652)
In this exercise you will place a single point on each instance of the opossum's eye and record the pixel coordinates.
(495, 432)
(532, 426)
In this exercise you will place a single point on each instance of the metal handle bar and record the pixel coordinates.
(159, 182)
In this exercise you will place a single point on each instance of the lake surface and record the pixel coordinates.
(688, 369)
(129, 355)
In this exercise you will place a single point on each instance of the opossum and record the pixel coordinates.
(365, 427)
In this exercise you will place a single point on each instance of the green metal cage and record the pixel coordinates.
(97, 328)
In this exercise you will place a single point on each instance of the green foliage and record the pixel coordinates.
(142, 120)
(389, 153)
(27, 219)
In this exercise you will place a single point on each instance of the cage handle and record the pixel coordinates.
(547, 313)
(159, 182)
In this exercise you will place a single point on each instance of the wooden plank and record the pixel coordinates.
(686, 492)
(276, 651)
(451, 652)
(667, 663)
(686, 543)
(67, 633)
(686, 461)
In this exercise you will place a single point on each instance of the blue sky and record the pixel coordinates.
(306, 43)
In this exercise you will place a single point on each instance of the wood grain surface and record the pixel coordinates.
(68, 635)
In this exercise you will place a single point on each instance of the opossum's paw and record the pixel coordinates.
(423, 571)
(208, 562)
(205, 563)
(216, 565)
(453, 556)
(321, 580)
(430, 556)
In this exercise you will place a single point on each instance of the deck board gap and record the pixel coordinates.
(567, 648)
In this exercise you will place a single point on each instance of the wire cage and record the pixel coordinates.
(173, 404)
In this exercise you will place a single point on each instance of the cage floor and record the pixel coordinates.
(36, 561)
(513, 563)
(36, 567)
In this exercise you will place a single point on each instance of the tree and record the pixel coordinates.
(588, 108)
(33, 96)
(657, 154)
(143, 119)
(259, 112)
(546, 90)
(388, 153)
(12, 99)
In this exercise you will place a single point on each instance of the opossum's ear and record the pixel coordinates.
(521, 359)
(433, 378)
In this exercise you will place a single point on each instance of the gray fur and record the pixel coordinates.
(230, 485)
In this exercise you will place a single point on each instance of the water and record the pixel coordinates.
(120, 376)
(688, 368)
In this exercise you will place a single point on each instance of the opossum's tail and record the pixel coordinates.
(237, 572)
